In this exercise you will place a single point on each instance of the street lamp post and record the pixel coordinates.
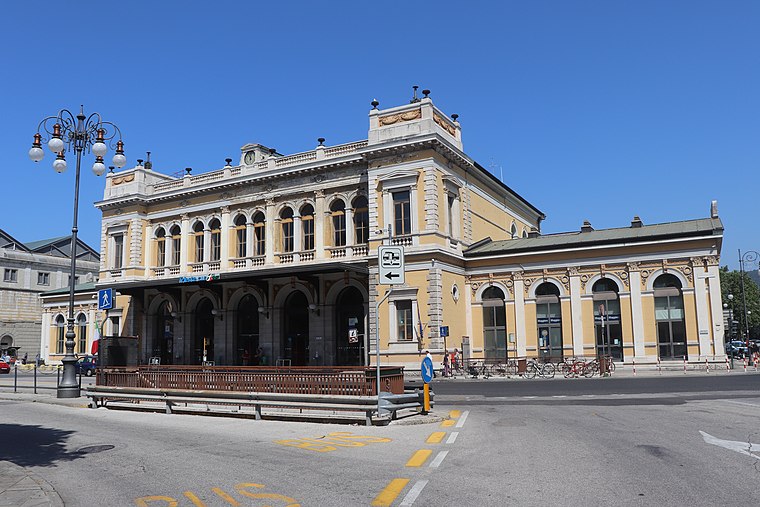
(749, 257)
(80, 133)
(730, 309)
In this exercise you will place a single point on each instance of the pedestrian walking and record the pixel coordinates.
(446, 368)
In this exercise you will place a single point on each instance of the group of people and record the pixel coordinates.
(258, 359)
(6, 358)
(451, 362)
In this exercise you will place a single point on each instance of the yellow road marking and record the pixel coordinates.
(455, 413)
(390, 492)
(448, 423)
(196, 501)
(419, 457)
(224, 496)
(436, 437)
(167, 501)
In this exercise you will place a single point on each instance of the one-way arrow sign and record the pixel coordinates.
(390, 261)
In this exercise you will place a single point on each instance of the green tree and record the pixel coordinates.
(731, 283)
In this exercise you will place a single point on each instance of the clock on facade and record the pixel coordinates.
(249, 157)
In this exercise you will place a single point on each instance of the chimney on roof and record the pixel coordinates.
(533, 232)
(714, 209)
(636, 222)
(148, 163)
(586, 227)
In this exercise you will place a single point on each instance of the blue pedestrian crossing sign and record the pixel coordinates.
(105, 299)
(427, 370)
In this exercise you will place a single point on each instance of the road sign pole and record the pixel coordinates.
(377, 345)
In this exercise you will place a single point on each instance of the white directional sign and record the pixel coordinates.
(390, 259)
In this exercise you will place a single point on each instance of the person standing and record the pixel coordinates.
(446, 369)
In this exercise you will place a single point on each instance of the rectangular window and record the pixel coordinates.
(161, 252)
(404, 323)
(10, 275)
(176, 252)
(118, 251)
(451, 215)
(59, 342)
(82, 335)
(339, 228)
(43, 278)
(199, 247)
(361, 226)
(115, 326)
(287, 235)
(259, 239)
(402, 213)
(240, 242)
(308, 233)
(216, 245)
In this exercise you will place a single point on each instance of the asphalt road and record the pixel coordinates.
(559, 442)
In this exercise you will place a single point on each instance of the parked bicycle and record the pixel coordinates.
(476, 368)
(543, 370)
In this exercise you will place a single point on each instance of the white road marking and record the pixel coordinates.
(413, 493)
(742, 403)
(745, 448)
(559, 396)
(453, 437)
(438, 459)
(462, 419)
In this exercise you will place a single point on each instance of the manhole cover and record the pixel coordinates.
(92, 449)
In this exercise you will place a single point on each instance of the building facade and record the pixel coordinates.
(29, 269)
(275, 260)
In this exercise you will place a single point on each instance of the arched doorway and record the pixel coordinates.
(247, 342)
(494, 324)
(204, 332)
(669, 314)
(6, 342)
(163, 337)
(607, 328)
(549, 322)
(349, 341)
(295, 325)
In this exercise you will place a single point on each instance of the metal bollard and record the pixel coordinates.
(15, 377)
(58, 375)
(35, 379)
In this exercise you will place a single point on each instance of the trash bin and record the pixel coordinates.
(522, 366)
(603, 368)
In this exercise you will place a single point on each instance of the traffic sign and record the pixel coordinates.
(105, 299)
(390, 259)
(444, 331)
(427, 370)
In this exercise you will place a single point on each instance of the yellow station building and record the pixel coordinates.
(274, 260)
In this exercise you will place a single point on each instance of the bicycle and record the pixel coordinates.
(543, 370)
(508, 369)
(476, 368)
(572, 367)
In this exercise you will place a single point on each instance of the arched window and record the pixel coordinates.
(338, 215)
(549, 322)
(307, 226)
(494, 324)
(198, 233)
(241, 237)
(160, 247)
(361, 220)
(259, 234)
(525, 233)
(82, 333)
(176, 233)
(513, 231)
(286, 224)
(216, 239)
(609, 334)
(669, 315)
(60, 334)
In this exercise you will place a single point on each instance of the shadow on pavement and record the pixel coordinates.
(35, 445)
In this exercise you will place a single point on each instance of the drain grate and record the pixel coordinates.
(92, 449)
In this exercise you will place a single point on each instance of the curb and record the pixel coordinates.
(20, 487)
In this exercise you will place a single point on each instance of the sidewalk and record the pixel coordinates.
(21, 488)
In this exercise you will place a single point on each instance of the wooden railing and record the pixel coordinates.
(357, 381)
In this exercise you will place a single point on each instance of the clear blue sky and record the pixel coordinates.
(597, 110)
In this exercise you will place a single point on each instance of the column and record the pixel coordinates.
(169, 246)
(249, 241)
(716, 306)
(320, 224)
(185, 243)
(269, 247)
(297, 237)
(206, 248)
(700, 298)
(224, 253)
(148, 249)
(637, 310)
(519, 289)
(576, 310)
(350, 239)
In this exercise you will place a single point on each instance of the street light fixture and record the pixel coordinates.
(78, 133)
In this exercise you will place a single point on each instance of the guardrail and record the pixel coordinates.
(390, 403)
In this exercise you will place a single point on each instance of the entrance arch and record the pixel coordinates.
(163, 335)
(607, 327)
(669, 315)
(204, 332)
(494, 324)
(247, 337)
(549, 322)
(295, 326)
(349, 342)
